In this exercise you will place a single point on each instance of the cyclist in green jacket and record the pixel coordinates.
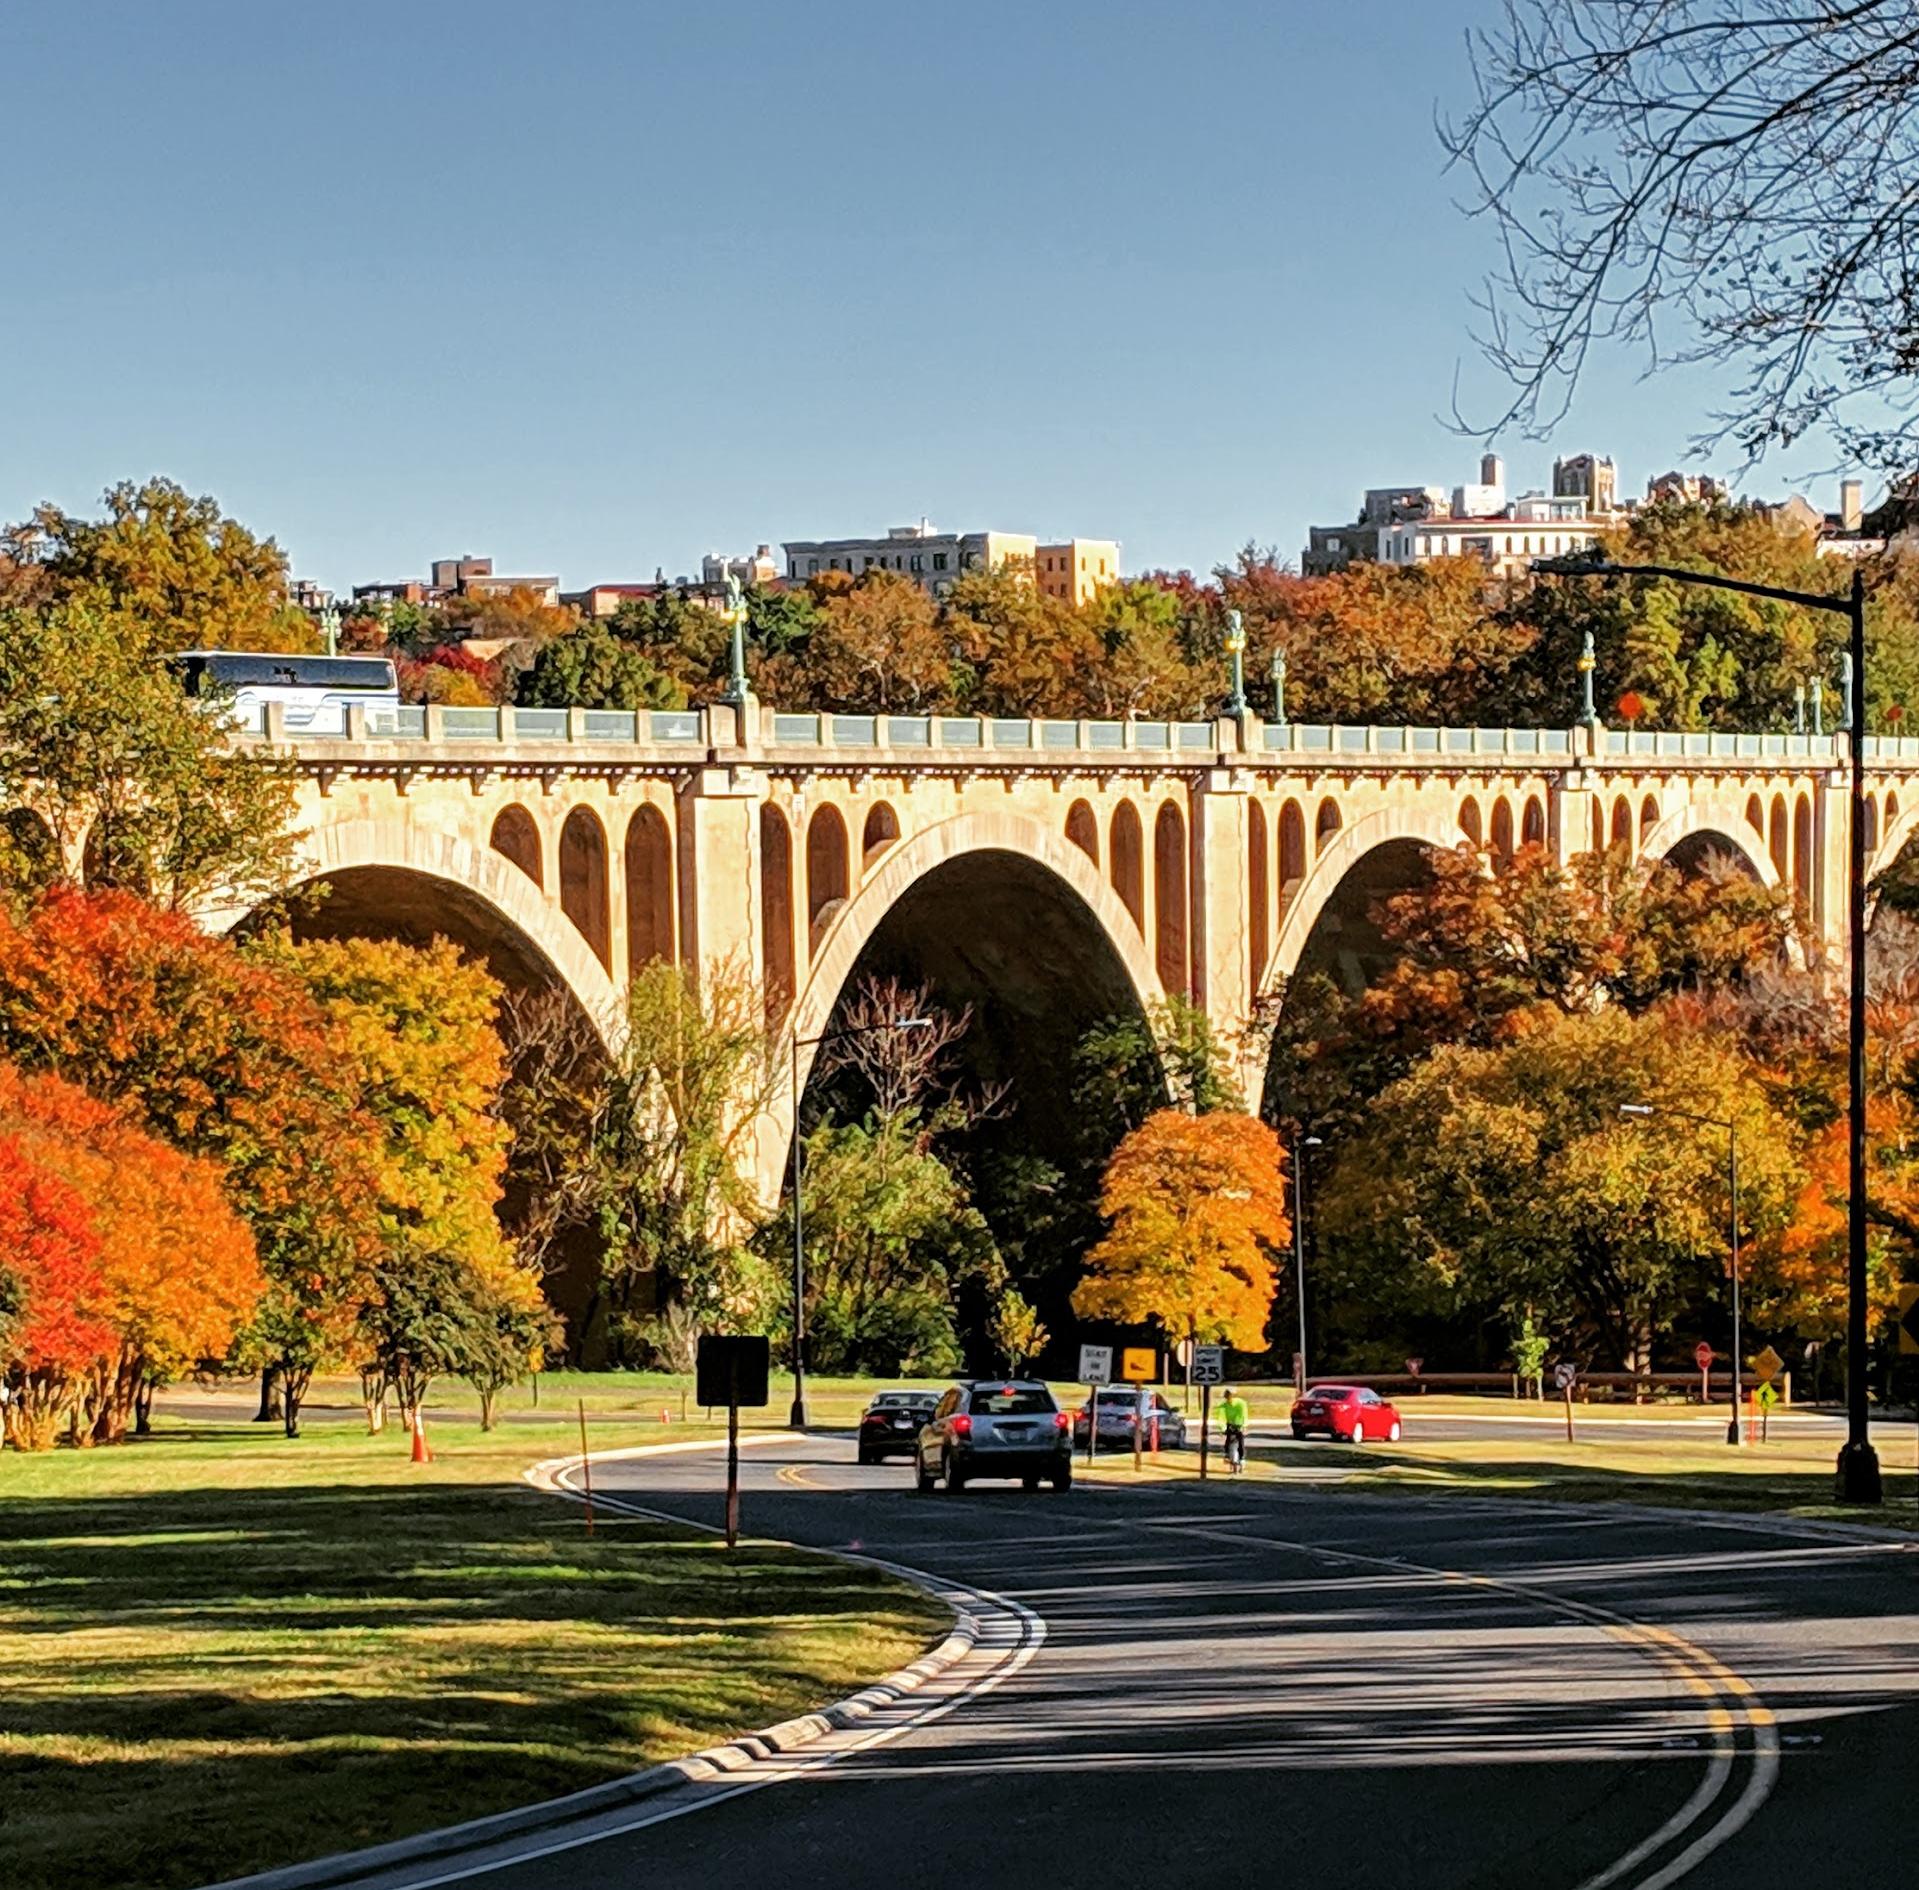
(1233, 1414)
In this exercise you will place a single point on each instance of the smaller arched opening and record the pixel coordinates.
(1502, 832)
(882, 828)
(1170, 952)
(1755, 813)
(1802, 850)
(29, 854)
(1622, 823)
(1258, 896)
(1532, 826)
(650, 922)
(827, 876)
(1648, 817)
(1125, 851)
(583, 890)
(1599, 828)
(1892, 811)
(1779, 840)
(1871, 822)
(1326, 825)
(776, 914)
(516, 838)
(1292, 852)
(1083, 830)
(1469, 822)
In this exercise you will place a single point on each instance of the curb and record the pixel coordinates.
(347, 1867)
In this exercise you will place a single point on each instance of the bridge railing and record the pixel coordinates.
(926, 734)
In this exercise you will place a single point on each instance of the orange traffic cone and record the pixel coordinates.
(420, 1452)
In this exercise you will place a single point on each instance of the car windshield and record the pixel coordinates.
(901, 1401)
(1011, 1400)
(1333, 1394)
(1123, 1396)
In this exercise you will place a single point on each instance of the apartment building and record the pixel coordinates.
(1073, 568)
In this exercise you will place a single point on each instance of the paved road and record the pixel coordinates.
(1247, 1681)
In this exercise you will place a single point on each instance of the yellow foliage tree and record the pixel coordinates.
(1197, 1207)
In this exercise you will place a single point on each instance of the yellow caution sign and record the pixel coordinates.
(1909, 1319)
(1767, 1365)
(1138, 1364)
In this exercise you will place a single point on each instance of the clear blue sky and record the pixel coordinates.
(596, 287)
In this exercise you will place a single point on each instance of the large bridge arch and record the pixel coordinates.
(1437, 828)
(1713, 819)
(426, 884)
(1028, 857)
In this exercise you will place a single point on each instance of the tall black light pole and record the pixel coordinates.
(796, 1416)
(1858, 1467)
(1732, 1162)
(1300, 1145)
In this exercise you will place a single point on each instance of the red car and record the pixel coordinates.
(1349, 1413)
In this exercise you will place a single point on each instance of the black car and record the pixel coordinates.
(891, 1424)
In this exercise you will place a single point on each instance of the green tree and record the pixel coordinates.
(1015, 1328)
(119, 767)
(592, 668)
(175, 571)
(892, 1243)
(669, 1167)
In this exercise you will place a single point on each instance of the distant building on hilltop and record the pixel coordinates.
(1074, 568)
(465, 576)
(1411, 525)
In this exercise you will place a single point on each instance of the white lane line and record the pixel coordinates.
(1032, 1636)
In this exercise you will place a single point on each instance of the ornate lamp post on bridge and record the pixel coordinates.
(796, 1417)
(1236, 655)
(1858, 1467)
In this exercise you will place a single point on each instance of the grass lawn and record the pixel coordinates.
(221, 1650)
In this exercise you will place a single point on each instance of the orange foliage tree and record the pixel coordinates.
(177, 1275)
(1197, 1208)
(221, 1056)
(52, 1328)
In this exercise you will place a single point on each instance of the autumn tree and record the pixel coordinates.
(174, 571)
(877, 648)
(175, 1273)
(54, 1331)
(415, 1027)
(1013, 650)
(1503, 1180)
(221, 1056)
(98, 741)
(1197, 1208)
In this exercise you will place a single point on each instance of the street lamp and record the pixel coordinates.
(1236, 652)
(1858, 1467)
(796, 1417)
(1300, 1145)
(1643, 1110)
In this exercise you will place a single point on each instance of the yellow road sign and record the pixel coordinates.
(1768, 1396)
(1767, 1365)
(1139, 1364)
(1909, 1319)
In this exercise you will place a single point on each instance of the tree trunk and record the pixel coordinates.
(269, 1395)
(143, 1408)
(373, 1396)
(489, 1400)
(293, 1393)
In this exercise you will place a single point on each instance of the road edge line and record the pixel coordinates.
(452, 1840)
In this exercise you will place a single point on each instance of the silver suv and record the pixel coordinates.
(996, 1427)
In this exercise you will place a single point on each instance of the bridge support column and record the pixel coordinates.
(719, 871)
(1574, 805)
(1831, 817)
(1223, 971)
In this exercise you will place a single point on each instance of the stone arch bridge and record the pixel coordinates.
(1050, 871)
